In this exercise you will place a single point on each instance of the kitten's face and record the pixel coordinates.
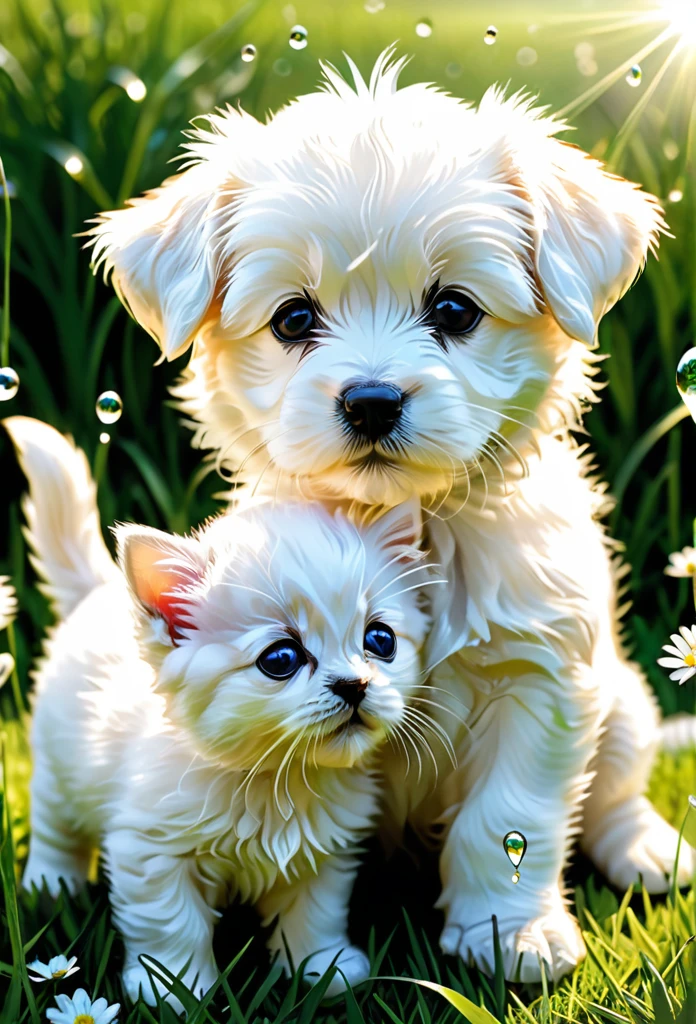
(296, 637)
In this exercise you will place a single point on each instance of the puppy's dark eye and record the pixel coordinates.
(455, 313)
(294, 320)
(282, 659)
(380, 641)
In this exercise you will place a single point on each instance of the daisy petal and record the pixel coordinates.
(671, 662)
(674, 651)
(680, 643)
(676, 676)
(108, 1015)
(688, 636)
(73, 970)
(687, 675)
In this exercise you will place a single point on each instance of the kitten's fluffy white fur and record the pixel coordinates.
(366, 197)
(198, 776)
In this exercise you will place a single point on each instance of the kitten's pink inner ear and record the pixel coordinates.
(153, 574)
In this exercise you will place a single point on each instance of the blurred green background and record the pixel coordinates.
(65, 72)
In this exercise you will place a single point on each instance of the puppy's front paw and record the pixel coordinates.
(633, 841)
(353, 967)
(555, 937)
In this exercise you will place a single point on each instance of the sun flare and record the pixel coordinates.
(682, 17)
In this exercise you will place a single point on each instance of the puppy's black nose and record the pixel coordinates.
(351, 691)
(372, 410)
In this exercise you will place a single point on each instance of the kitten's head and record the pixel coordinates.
(284, 631)
(380, 284)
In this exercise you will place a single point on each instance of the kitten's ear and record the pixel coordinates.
(161, 570)
(160, 252)
(401, 526)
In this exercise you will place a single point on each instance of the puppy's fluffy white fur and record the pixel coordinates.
(197, 775)
(366, 197)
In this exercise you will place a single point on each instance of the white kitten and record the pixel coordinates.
(212, 717)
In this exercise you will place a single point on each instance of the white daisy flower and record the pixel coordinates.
(81, 1010)
(8, 602)
(683, 659)
(57, 967)
(682, 563)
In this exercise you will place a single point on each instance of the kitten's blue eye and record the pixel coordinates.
(282, 659)
(380, 641)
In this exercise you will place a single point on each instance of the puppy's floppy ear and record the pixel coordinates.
(160, 569)
(161, 253)
(593, 232)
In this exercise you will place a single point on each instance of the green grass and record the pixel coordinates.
(70, 340)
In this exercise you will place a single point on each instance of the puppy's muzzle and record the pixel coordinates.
(372, 410)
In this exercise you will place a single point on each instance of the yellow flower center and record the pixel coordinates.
(690, 660)
(58, 974)
(691, 568)
(84, 1018)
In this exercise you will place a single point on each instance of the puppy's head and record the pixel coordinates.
(282, 633)
(382, 286)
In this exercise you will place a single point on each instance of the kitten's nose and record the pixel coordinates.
(372, 410)
(351, 691)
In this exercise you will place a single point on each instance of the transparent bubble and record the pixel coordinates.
(104, 438)
(298, 37)
(686, 380)
(491, 35)
(282, 67)
(109, 407)
(515, 846)
(374, 6)
(527, 56)
(676, 195)
(248, 53)
(9, 383)
(424, 28)
(584, 51)
(635, 76)
(588, 67)
(670, 149)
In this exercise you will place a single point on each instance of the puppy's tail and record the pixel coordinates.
(63, 529)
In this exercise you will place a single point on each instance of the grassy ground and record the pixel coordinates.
(59, 96)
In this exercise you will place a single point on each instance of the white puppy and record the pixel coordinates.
(213, 717)
(387, 291)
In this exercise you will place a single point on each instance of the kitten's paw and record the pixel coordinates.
(634, 841)
(353, 967)
(555, 937)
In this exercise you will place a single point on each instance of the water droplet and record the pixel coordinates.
(527, 56)
(109, 407)
(515, 846)
(248, 53)
(491, 35)
(374, 6)
(298, 37)
(424, 28)
(676, 195)
(74, 166)
(9, 383)
(104, 438)
(282, 67)
(584, 51)
(670, 149)
(686, 380)
(635, 76)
